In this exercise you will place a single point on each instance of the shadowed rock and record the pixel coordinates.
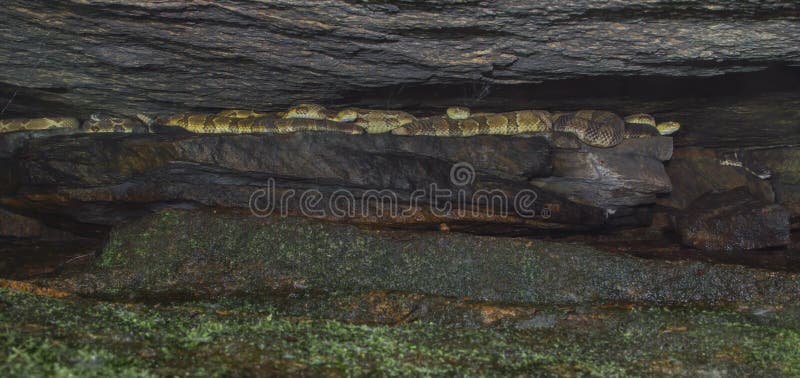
(733, 220)
(627, 175)
(785, 165)
(696, 171)
(106, 179)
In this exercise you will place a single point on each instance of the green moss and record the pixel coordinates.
(64, 337)
(28, 355)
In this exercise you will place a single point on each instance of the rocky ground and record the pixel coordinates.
(49, 336)
(204, 293)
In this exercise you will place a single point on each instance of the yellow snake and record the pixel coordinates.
(597, 128)
(307, 111)
(373, 121)
(642, 125)
(217, 124)
(378, 121)
(30, 124)
(104, 123)
(458, 112)
(240, 113)
(509, 123)
(592, 127)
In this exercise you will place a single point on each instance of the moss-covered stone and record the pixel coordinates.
(198, 253)
(44, 336)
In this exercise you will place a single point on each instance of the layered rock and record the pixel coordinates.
(129, 56)
(414, 181)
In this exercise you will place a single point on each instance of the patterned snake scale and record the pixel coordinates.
(103, 123)
(509, 123)
(30, 124)
(597, 128)
(217, 124)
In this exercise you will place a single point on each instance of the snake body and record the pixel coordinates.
(640, 125)
(595, 128)
(289, 125)
(217, 124)
(209, 123)
(307, 111)
(458, 112)
(375, 121)
(745, 160)
(643, 125)
(372, 121)
(240, 113)
(509, 123)
(592, 127)
(30, 124)
(104, 123)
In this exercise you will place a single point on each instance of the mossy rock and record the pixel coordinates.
(202, 253)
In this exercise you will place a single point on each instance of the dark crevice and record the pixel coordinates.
(689, 10)
(453, 33)
(776, 78)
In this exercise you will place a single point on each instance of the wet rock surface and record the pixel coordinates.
(733, 220)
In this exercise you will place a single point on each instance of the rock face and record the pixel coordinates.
(630, 174)
(385, 179)
(785, 165)
(104, 179)
(129, 56)
(695, 171)
(733, 220)
(690, 62)
(200, 253)
(18, 226)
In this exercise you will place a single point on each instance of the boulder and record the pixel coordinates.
(733, 220)
(695, 171)
(627, 175)
(784, 162)
(199, 253)
(19, 226)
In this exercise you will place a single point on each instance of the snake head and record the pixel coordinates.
(667, 128)
(458, 112)
(347, 115)
(95, 117)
